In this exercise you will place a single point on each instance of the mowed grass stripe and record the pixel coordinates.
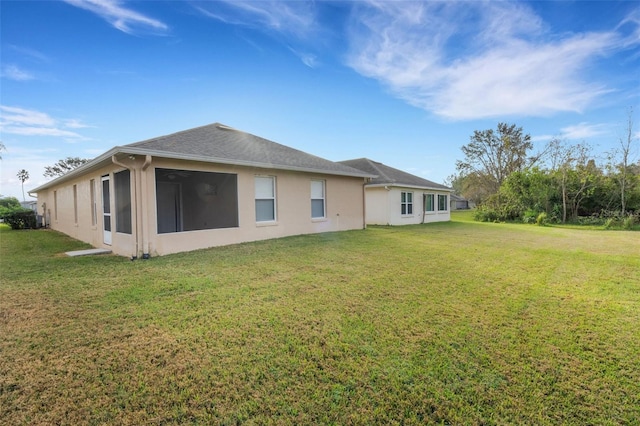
(458, 323)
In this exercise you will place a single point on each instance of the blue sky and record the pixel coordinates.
(403, 83)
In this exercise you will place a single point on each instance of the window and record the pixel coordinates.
(442, 203)
(106, 204)
(75, 204)
(317, 199)
(122, 188)
(265, 198)
(55, 205)
(94, 210)
(406, 203)
(188, 200)
(429, 203)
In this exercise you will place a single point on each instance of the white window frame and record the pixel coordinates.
(315, 196)
(266, 197)
(433, 203)
(406, 205)
(446, 203)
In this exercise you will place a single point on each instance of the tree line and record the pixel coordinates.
(562, 183)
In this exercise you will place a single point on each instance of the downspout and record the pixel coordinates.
(144, 207)
(134, 207)
(364, 203)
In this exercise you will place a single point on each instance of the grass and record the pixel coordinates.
(454, 323)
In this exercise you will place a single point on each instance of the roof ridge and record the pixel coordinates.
(155, 138)
(380, 173)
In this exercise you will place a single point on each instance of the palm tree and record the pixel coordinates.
(23, 175)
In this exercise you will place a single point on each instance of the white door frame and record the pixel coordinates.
(107, 224)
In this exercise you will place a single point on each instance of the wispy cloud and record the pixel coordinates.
(13, 72)
(583, 131)
(472, 60)
(124, 19)
(26, 122)
(309, 59)
(294, 21)
(27, 52)
(295, 18)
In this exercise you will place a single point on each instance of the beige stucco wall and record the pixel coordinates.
(344, 208)
(383, 206)
(56, 204)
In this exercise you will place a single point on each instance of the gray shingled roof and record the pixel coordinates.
(390, 176)
(219, 143)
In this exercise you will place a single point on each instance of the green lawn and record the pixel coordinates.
(454, 323)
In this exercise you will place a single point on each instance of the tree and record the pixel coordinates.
(491, 156)
(64, 166)
(576, 173)
(8, 205)
(622, 155)
(2, 148)
(23, 175)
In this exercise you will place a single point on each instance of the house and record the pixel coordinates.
(208, 186)
(459, 203)
(31, 205)
(395, 197)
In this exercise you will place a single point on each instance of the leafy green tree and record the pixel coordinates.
(23, 175)
(577, 176)
(64, 166)
(532, 191)
(491, 156)
(9, 205)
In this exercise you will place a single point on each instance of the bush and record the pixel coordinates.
(628, 222)
(541, 220)
(486, 214)
(24, 219)
(595, 220)
(530, 216)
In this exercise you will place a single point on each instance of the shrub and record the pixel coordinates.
(541, 220)
(628, 222)
(24, 219)
(594, 220)
(530, 216)
(486, 214)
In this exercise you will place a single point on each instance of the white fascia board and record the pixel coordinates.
(398, 185)
(88, 166)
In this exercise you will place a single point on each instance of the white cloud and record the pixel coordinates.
(295, 18)
(469, 60)
(26, 122)
(74, 123)
(21, 117)
(122, 18)
(583, 131)
(13, 72)
(309, 59)
(32, 54)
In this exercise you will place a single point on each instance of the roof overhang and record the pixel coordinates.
(402, 185)
(106, 159)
